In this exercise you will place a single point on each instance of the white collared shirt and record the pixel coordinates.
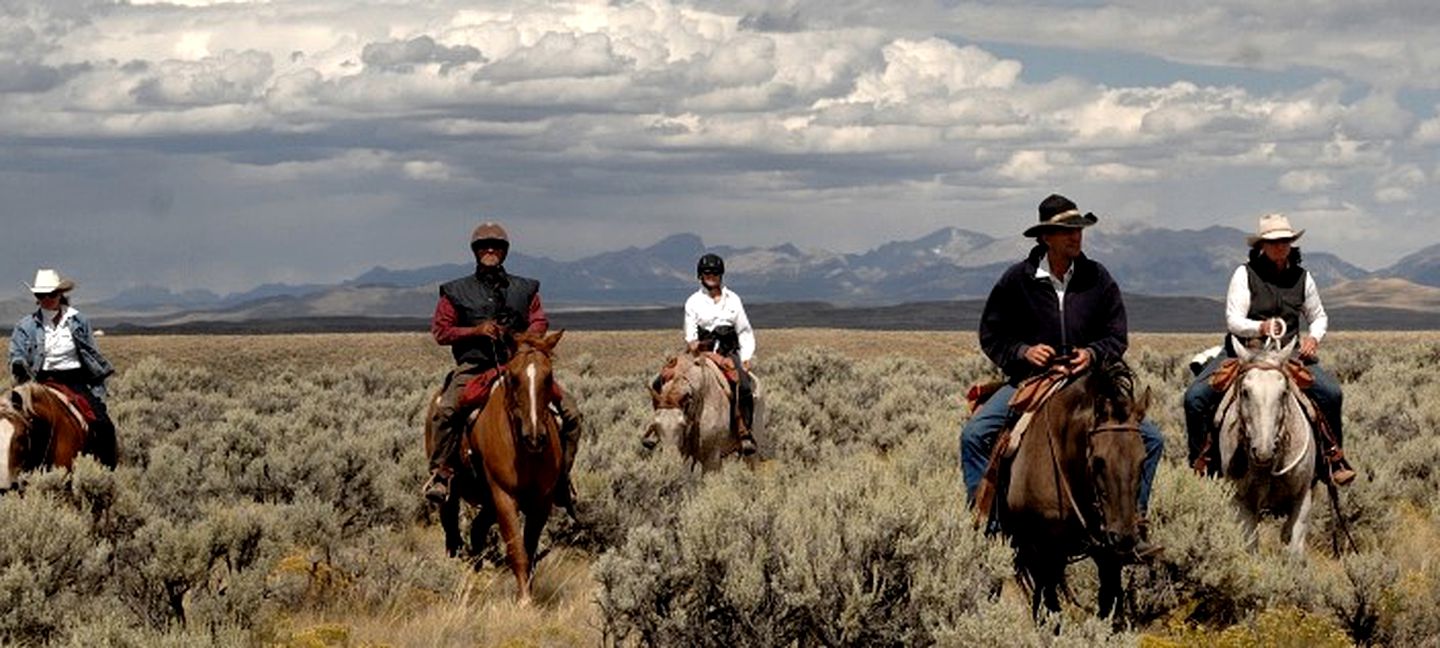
(1060, 283)
(1237, 307)
(60, 351)
(703, 311)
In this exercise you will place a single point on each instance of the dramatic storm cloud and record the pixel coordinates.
(220, 145)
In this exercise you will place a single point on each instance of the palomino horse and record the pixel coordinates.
(692, 413)
(39, 428)
(1274, 471)
(511, 455)
(1074, 485)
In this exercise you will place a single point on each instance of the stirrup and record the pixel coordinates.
(1341, 475)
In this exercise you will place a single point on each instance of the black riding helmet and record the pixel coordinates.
(711, 264)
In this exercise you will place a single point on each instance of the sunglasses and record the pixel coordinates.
(49, 295)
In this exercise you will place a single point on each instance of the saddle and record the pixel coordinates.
(79, 405)
(477, 392)
(1032, 393)
(726, 365)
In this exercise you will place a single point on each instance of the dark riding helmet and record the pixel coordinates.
(710, 264)
(490, 234)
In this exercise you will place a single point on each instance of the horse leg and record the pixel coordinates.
(1109, 570)
(507, 513)
(1249, 521)
(450, 522)
(480, 547)
(535, 519)
(1294, 529)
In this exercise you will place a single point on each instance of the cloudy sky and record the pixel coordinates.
(219, 145)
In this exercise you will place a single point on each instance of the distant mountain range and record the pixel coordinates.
(948, 264)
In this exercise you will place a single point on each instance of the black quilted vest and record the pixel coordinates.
(1277, 293)
(506, 301)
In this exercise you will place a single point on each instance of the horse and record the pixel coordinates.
(1275, 469)
(40, 428)
(692, 413)
(1074, 484)
(511, 456)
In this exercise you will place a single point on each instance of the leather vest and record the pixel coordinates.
(1277, 294)
(507, 302)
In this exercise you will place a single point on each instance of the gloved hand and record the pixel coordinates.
(20, 371)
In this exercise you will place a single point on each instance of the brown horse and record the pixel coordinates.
(1074, 484)
(40, 428)
(511, 456)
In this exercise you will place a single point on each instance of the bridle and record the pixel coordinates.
(1062, 484)
(513, 414)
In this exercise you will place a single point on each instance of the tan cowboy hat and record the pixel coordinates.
(47, 281)
(1273, 227)
(1058, 212)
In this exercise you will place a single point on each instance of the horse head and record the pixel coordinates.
(672, 404)
(528, 386)
(1115, 454)
(1263, 389)
(17, 434)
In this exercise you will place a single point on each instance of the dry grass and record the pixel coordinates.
(481, 611)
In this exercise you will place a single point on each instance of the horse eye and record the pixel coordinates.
(1097, 465)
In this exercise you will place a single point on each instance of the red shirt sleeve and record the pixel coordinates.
(442, 325)
(539, 323)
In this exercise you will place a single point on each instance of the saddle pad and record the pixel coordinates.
(477, 391)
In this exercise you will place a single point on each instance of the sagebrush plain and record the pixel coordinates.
(269, 495)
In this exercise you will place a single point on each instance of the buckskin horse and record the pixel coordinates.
(1266, 444)
(1074, 484)
(40, 428)
(510, 456)
(692, 412)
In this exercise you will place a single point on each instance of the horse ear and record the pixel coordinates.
(552, 339)
(1290, 348)
(1241, 351)
(16, 400)
(1143, 404)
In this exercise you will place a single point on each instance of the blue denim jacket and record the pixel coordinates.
(27, 347)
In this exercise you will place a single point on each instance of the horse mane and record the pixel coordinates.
(1111, 387)
(27, 396)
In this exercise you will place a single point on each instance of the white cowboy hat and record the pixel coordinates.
(1273, 227)
(47, 281)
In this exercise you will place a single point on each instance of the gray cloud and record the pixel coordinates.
(222, 146)
(404, 56)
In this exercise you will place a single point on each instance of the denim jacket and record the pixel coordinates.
(27, 347)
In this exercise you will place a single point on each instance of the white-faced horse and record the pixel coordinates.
(1267, 446)
(693, 412)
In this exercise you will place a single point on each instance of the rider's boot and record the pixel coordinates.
(1340, 472)
(1144, 549)
(437, 490)
(570, 421)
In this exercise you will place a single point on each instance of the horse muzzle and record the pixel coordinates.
(650, 439)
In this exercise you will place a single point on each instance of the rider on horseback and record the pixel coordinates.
(476, 317)
(1267, 296)
(715, 321)
(55, 344)
(1057, 307)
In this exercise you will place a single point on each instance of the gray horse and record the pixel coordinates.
(692, 413)
(1266, 444)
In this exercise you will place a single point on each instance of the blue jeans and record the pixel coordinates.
(983, 429)
(1201, 400)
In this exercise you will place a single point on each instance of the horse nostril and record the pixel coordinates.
(648, 441)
